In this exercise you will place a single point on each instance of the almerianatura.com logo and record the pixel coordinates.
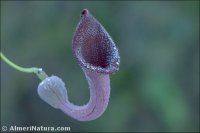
(34, 128)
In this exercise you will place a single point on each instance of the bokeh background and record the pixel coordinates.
(156, 89)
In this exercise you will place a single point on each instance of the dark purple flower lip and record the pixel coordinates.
(93, 47)
(107, 66)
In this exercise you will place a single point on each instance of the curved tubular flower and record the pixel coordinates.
(98, 57)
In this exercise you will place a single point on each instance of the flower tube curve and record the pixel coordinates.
(96, 53)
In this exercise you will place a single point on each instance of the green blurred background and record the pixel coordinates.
(156, 89)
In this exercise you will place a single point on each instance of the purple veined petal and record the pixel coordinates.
(93, 47)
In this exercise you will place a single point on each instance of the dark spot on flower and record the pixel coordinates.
(84, 12)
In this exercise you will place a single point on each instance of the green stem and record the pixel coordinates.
(38, 71)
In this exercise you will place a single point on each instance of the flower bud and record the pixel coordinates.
(52, 90)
